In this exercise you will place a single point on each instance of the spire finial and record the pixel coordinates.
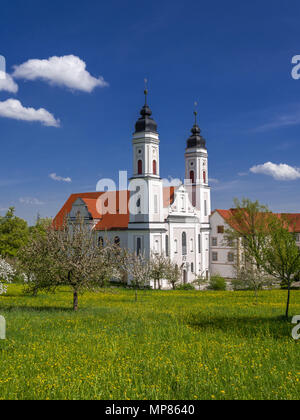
(146, 90)
(195, 112)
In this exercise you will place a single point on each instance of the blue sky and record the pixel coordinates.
(233, 57)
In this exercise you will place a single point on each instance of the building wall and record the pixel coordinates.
(219, 247)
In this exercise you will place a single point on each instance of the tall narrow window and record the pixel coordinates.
(101, 242)
(167, 245)
(184, 250)
(175, 246)
(138, 246)
(204, 177)
(140, 167)
(205, 208)
(117, 241)
(194, 202)
(192, 177)
(192, 245)
(199, 243)
(192, 267)
(154, 167)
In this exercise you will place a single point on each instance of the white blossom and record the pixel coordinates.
(7, 274)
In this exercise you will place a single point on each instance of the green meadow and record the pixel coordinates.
(168, 345)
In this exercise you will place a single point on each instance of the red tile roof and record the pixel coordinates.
(106, 221)
(294, 221)
(294, 218)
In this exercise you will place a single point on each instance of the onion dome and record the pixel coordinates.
(145, 122)
(196, 140)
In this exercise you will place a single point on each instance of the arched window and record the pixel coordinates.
(204, 177)
(192, 177)
(140, 167)
(184, 250)
(117, 241)
(100, 242)
(154, 167)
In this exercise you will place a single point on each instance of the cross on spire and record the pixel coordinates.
(195, 112)
(146, 90)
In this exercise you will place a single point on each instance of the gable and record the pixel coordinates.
(88, 206)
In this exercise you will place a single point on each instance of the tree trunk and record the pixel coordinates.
(75, 300)
(136, 295)
(288, 301)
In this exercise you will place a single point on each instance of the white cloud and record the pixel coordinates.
(69, 71)
(171, 182)
(31, 201)
(280, 172)
(7, 83)
(59, 178)
(280, 121)
(213, 180)
(13, 108)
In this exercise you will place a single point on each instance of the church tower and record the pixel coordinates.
(146, 188)
(196, 172)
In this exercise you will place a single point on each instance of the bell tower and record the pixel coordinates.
(146, 222)
(146, 202)
(146, 145)
(196, 171)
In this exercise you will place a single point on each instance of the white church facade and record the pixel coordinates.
(148, 216)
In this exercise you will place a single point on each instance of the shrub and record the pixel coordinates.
(217, 283)
(185, 286)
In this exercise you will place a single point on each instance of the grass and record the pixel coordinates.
(168, 345)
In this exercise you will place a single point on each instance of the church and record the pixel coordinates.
(148, 216)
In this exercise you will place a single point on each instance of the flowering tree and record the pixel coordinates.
(6, 275)
(137, 267)
(68, 256)
(174, 274)
(160, 267)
